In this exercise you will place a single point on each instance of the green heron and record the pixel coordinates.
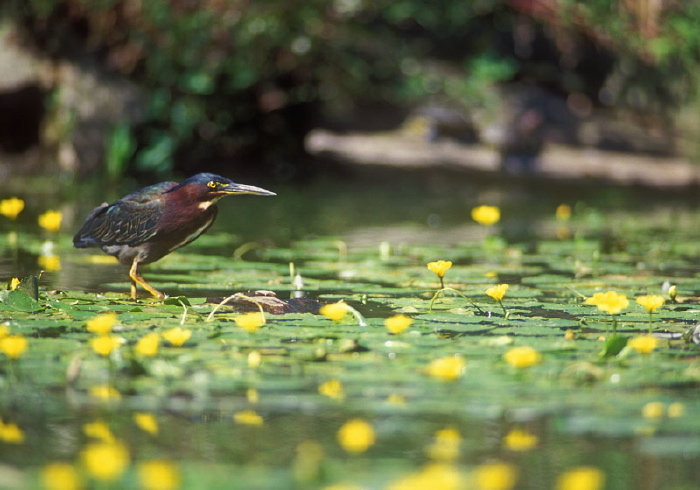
(150, 223)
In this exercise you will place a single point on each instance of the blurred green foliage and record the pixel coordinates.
(239, 79)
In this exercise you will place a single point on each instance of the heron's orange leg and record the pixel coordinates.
(137, 279)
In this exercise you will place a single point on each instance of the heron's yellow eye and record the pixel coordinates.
(212, 184)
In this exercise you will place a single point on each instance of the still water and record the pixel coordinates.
(361, 209)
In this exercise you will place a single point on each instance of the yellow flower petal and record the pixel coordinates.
(563, 212)
(356, 436)
(334, 311)
(610, 302)
(60, 476)
(105, 344)
(445, 447)
(644, 344)
(433, 476)
(13, 346)
(486, 215)
(397, 323)
(11, 433)
(99, 430)
(651, 302)
(159, 474)
(147, 422)
(250, 321)
(49, 263)
(248, 417)
(520, 440)
(653, 410)
(105, 460)
(496, 476)
(447, 368)
(332, 389)
(177, 336)
(581, 478)
(102, 324)
(105, 393)
(11, 208)
(148, 344)
(439, 267)
(51, 221)
(497, 292)
(522, 357)
(675, 410)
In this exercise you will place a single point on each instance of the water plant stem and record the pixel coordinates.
(443, 290)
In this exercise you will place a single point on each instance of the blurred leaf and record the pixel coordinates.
(197, 82)
(19, 300)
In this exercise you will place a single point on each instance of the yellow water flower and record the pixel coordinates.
(644, 344)
(496, 476)
(99, 430)
(520, 440)
(486, 215)
(105, 344)
(335, 311)
(433, 476)
(10, 433)
(675, 410)
(672, 293)
(497, 292)
(332, 389)
(254, 359)
(581, 478)
(13, 346)
(356, 436)
(445, 447)
(158, 474)
(177, 336)
(105, 460)
(49, 263)
(146, 422)
(248, 417)
(14, 283)
(653, 410)
(105, 393)
(148, 344)
(439, 267)
(610, 302)
(447, 368)
(396, 399)
(252, 395)
(398, 323)
(651, 302)
(11, 207)
(522, 357)
(563, 212)
(51, 221)
(250, 321)
(60, 476)
(102, 324)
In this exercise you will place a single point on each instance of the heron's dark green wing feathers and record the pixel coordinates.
(129, 221)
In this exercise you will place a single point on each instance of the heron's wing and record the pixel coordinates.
(129, 221)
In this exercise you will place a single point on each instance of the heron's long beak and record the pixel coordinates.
(245, 189)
